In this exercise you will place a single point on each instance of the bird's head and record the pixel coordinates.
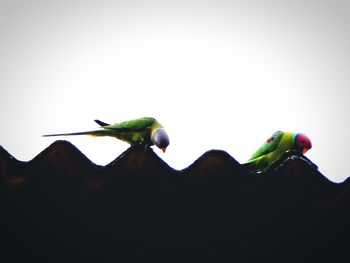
(302, 143)
(160, 139)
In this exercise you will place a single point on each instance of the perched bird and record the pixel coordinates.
(279, 143)
(147, 131)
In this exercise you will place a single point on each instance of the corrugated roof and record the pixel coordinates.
(62, 207)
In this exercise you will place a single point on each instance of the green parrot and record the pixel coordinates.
(144, 130)
(275, 146)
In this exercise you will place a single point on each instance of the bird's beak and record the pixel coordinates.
(305, 150)
(163, 150)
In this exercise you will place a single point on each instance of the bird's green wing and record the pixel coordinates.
(269, 146)
(101, 123)
(132, 125)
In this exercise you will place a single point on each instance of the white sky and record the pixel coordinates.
(217, 74)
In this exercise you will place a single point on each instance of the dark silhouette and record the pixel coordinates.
(61, 207)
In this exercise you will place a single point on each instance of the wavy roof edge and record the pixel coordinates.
(63, 156)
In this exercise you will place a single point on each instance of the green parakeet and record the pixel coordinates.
(279, 143)
(145, 130)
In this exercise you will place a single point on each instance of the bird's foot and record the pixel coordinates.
(143, 145)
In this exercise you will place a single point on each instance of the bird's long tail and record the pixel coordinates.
(93, 133)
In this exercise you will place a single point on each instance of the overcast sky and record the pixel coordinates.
(217, 74)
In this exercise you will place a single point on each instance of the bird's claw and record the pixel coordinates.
(143, 145)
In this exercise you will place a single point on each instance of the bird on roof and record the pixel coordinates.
(275, 146)
(147, 131)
